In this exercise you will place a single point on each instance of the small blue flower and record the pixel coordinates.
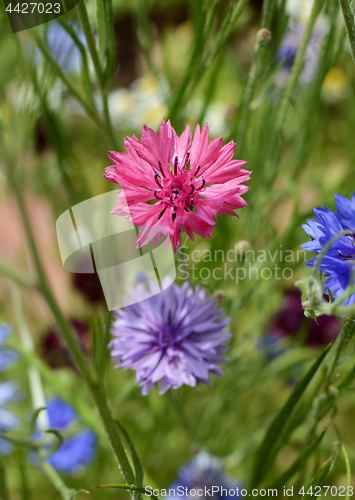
(7, 355)
(62, 47)
(78, 449)
(289, 47)
(338, 264)
(201, 473)
(9, 393)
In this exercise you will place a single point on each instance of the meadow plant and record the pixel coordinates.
(276, 77)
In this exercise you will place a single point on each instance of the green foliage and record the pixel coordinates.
(190, 61)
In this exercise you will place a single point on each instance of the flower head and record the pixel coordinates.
(78, 449)
(9, 394)
(175, 337)
(338, 264)
(7, 355)
(176, 183)
(63, 48)
(289, 47)
(203, 472)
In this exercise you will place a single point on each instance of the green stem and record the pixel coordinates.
(145, 33)
(260, 48)
(35, 383)
(198, 46)
(22, 279)
(85, 70)
(58, 70)
(106, 38)
(341, 343)
(94, 385)
(20, 442)
(108, 122)
(110, 40)
(349, 24)
(297, 65)
(53, 476)
(105, 19)
(325, 395)
(90, 40)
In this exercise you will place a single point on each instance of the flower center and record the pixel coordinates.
(180, 186)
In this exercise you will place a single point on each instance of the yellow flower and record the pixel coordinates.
(335, 85)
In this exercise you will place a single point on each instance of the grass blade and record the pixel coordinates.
(136, 462)
(271, 443)
(322, 474)
(128, 487)
(299, 463)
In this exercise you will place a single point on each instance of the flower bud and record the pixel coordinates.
(263, 36)
(242, 247)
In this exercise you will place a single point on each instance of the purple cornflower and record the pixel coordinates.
(175, 337)
(338, 264)
(78, 448)
(199, 475)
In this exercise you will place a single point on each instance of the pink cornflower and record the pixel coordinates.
(176, 184)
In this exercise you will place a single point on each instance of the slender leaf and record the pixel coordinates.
(348, 471)
(322, 474)
(127, 487)
(99, 339)
(34, 417)
(25, 488)
(270, 445)
(136, 462)
(74, 495)
(299, 463)
(58, 443)
(349, 23)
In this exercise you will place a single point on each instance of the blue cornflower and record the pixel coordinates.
(175, 336)
(78, 449)
(289, 47)
(9, 392)
(199, 475)
(62, 47)
(338, 264)
(7, 355)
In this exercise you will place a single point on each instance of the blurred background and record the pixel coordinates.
(59, 119)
